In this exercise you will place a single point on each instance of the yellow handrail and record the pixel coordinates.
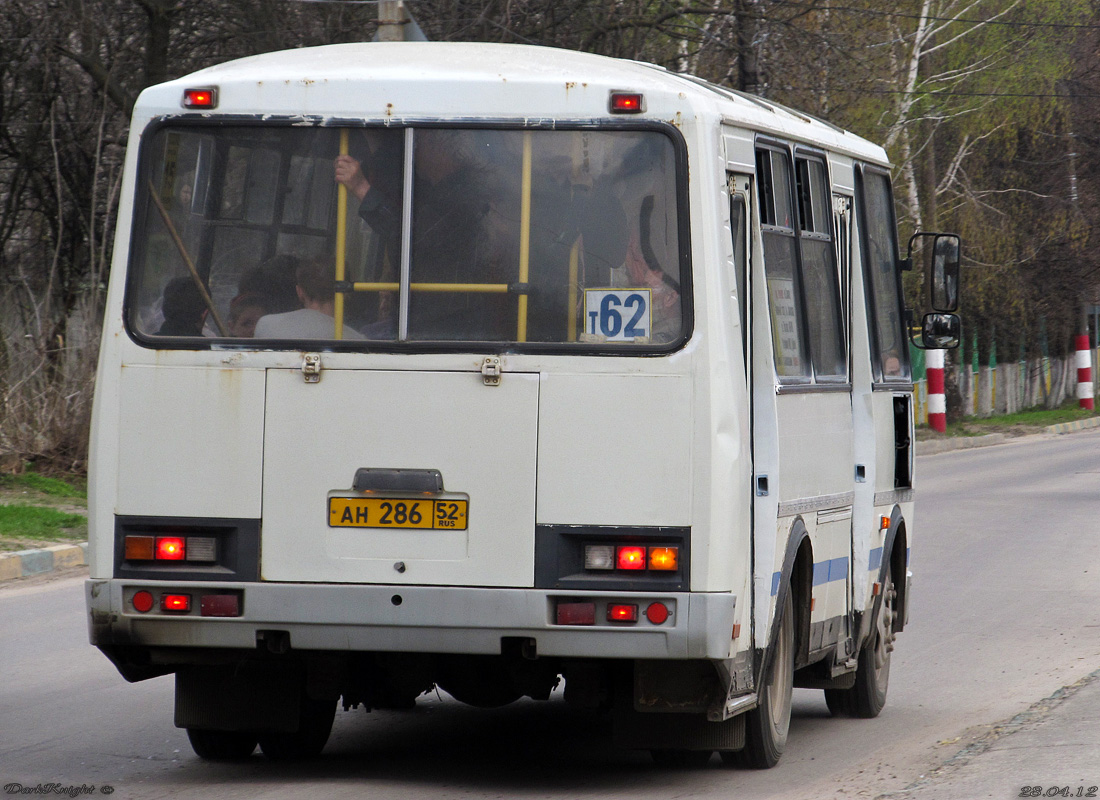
(474, 288)
(524, 237)
(574, 268)
(341, 240)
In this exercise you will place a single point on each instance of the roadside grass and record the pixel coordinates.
(37, 510)
(23, 526)
(1032, 420)
(54, 487)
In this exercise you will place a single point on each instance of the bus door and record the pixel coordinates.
(813, 464)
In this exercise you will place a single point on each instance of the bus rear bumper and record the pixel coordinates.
(411, 619)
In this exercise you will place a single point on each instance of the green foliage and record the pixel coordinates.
(1035, 419)
(24, 522)
(40, 483)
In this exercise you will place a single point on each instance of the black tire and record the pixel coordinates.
(868, 696)
(767, 725)
(222, 745)
(681, 759)
(315, 725)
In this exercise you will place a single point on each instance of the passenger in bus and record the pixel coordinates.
(891, 364)
(453, 239)
(245, 310)
(665, 294)
(183, 308)
(275, 281)
(315, 287)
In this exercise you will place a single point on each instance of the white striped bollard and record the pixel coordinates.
(1084, 372)
(937, 401)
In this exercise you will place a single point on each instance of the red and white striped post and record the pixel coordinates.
(1084, 372)
(937, 400)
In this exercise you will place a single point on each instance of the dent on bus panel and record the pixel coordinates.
(284, 233)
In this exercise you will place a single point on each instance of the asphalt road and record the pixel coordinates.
(1006, 610)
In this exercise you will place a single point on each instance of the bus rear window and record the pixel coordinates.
(382, 235)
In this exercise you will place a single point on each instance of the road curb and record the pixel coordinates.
(1069, 427)
(26, 563)
(930, 447)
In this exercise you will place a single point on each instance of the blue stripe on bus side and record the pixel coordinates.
(875, 561)
(824, 572)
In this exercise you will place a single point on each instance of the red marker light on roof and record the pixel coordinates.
(200, 98)
(627, 103)
(170, 548)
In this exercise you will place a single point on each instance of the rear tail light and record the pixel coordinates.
(220, 605)
(170, 548)
(657, 613)
(197, 549)
(622, 612)
(664, 558)
(143, 601)
(576, 614)
(175, 602)
(599, 556)
(140, 548)
(570, 611)
(630, 557)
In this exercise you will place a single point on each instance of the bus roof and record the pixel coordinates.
(414, 81)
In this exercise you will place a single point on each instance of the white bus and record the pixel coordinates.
(488, 367)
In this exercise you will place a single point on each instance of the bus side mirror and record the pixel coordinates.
(940, 332)
(941, 269)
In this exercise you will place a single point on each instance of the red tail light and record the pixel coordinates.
(622, 612)
(630, 557)
(175, 602)
(170, 548)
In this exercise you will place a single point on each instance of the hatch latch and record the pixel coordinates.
(311, 367)
(491, 369)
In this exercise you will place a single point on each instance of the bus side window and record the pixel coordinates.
(780, 241)
(739, 232)
(889, 349)
(819, 274)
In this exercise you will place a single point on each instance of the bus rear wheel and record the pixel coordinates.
(221, 745)
(767, 725)
(681, 759)
(868, 696)
(315, 725)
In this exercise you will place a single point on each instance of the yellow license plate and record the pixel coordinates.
(389, 512)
